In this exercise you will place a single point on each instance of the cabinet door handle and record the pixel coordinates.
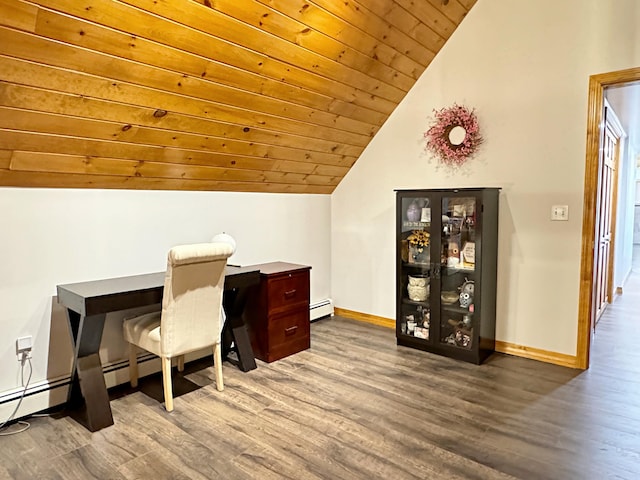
(290, 293)
(290, 331)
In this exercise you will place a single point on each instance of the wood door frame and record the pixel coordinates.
(597, 84)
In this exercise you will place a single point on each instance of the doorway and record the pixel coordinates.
(587, 303)
(607, 202)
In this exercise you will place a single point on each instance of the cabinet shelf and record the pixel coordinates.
(457, 309)
(448, 269)
(413, 338)
(408, 301)
(422, 266)
(460, 262)
(454, 346)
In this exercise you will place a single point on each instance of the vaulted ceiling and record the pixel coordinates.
(235, 95)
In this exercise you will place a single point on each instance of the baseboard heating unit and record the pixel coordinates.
(321, 309)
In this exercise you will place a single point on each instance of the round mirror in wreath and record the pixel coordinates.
(454, 136)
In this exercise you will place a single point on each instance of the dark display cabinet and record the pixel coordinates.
(446, 268)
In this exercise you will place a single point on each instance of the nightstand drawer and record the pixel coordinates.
(288, 334)
(288, 290)
(288, 327)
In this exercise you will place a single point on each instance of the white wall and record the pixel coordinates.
(57, 236)
(524, 65)
(623, 253)
(620, 100)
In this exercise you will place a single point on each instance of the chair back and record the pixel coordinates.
(192, 297)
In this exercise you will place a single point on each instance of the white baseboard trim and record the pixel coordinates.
(53, 392)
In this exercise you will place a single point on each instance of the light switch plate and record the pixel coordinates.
(560, 212)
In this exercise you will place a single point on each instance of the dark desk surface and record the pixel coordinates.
(110, 286)
(121, 293)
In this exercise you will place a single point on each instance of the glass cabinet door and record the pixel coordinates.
(458, 316)
(415, 262)
(446, 271)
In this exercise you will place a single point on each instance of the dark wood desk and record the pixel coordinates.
(87, 304)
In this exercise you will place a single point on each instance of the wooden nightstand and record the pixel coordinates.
(277, 311)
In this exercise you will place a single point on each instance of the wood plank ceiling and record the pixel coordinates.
(235, 95)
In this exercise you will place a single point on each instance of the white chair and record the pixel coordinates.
(191, 318)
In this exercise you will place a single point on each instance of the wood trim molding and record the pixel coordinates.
(365, 317)
(597, 84)
(546, 356)
(502, 347)
(585, 302)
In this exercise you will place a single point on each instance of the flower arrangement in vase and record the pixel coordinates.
(418, 243)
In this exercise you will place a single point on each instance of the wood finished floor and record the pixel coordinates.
(356, 406)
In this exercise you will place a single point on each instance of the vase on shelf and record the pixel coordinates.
(418, 254)
(413, 212)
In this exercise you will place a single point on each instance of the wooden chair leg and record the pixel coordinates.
(166, 381)
(133, 365)
(181, 363)
(217, 365)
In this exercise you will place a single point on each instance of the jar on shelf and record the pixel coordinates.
(418, 288)
(418, 255)
(413, 212)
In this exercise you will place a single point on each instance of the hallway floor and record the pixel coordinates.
(614, 373)
(618, 330)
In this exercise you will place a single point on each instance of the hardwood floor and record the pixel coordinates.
(356, 406)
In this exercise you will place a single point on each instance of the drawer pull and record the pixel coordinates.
(290, 331)
(290, 294)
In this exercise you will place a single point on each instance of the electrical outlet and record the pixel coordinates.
(24, 346)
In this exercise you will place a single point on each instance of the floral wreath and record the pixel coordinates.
(438, 135)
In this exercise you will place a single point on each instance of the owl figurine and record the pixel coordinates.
(466, 293)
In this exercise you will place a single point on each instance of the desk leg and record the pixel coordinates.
(236, 331)
(246, 360)
(88, 398)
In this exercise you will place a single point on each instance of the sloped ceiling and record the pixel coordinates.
(236, 95)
